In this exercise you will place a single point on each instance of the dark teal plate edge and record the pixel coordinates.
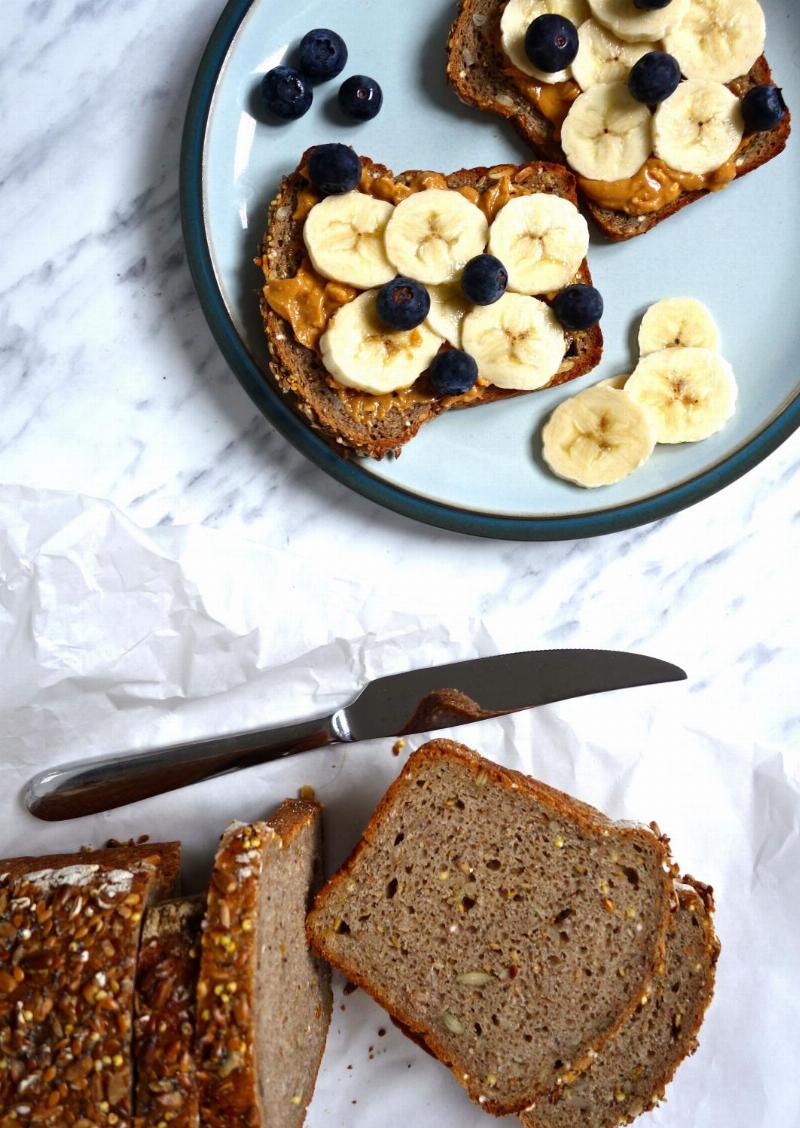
(350, 473)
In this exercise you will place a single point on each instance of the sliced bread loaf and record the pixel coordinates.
(508, 926)
(69, 939)
(478, 71)
(376, 425)
(166, 987)
(263, 1000)
(633, 1071)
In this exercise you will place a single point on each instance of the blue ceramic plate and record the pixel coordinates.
(479, 471)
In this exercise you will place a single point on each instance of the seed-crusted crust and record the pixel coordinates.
(586, 817)
(69, 937)
(483, 83)
(226, 1020)
(164, 1031)
(299, 372)
(690, 896)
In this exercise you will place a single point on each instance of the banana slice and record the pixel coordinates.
(602, 57)
(541, 240)
(617, 382)
(688, 393)
(361, 353)
(517, 342)
(448, 309)
(517, 17)
(678, 323)
(597, 438)
(344, 236)
(717, 39)
(432, 234)
(698, 127)
(638, 25)
(607, 134)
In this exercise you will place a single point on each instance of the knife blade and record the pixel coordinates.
(396, 705)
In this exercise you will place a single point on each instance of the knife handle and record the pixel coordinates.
(71, 791)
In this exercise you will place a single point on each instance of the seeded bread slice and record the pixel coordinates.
(475, 69)
(166, 987)
(337, 412)
(637, 1065)
(509, 927)
(69, 939)
(263, 1000)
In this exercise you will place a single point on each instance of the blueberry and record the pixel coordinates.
(484, 280)
(650, 5)
(551, 42)
(403, 303)
(286, 93)
(654, 77)
(360, 97)
(452, 373)
(578, 306)
(334, 169)
(763, 107)
(322, 54)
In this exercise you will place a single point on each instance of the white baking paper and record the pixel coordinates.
(114, 638)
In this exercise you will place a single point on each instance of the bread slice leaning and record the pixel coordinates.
(510, 928)
(337, 412)
(69, 940)
(166, 987)
(263, 999)
(476, 71)
(633, 1071)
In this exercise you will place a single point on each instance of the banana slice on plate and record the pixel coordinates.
(518, 16)
(602, 57)
(607, 134)
(344, 236)
(638, 25)
(597, 437)
(617, 382)
(541, 240)
(688, 393)
(361, 353)
(448, 309)
(432, 234)
(517, 342)
(717, 39)
(678, 323)
(699, 127)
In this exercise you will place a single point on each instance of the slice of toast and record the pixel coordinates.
(349, 419)
(630, 1077)
(263, 999)
(476, 70)
(510, 928)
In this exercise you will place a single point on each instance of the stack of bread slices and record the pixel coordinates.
(552, 959)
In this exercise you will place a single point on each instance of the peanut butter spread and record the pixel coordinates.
(551, 99)
(654, 186)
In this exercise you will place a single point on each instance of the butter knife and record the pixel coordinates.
(398, 705)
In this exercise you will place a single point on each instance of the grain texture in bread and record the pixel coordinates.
(263, 1000)
(69, 938)
(632, 1073)
(476, 70)
(166, 987)
(338, 413)
(510, 928)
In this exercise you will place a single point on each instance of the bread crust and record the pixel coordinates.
(589, 819)
(298, 372)
(484, 84)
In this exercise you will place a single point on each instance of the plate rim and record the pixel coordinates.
(349, 473)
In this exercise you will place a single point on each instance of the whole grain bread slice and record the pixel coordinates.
(263, 999)
(509, 927)
(164, 1032)
(632, 1073)
(476, 68)
(69, 939)
(338, 412)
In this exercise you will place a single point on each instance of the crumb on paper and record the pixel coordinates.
(307, 792)
(398, 747)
